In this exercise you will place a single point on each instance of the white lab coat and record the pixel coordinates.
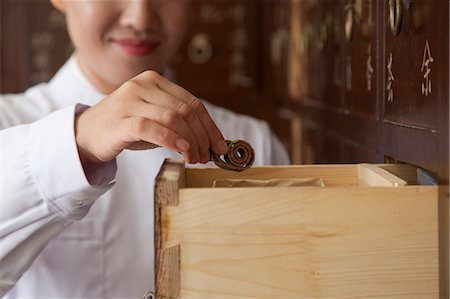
(63, 237)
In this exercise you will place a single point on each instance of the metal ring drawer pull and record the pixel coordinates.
(149, 295)
(395, 15)
(200, 50)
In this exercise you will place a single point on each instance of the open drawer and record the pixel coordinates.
(366, 234)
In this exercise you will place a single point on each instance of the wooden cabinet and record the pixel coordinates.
(414, 87)
(383, 91)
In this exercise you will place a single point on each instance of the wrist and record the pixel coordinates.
(84, 154)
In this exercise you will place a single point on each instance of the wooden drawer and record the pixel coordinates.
(365, 234)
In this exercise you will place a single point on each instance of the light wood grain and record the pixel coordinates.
(371, 175)
(406, 172)
(306, 242)
(168, 272)
(332, 175)
(170, 179)
(340, 241)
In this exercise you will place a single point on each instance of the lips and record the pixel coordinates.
(137, 47)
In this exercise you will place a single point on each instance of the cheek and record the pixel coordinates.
(87, 23)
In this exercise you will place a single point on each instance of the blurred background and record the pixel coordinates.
(339, 81)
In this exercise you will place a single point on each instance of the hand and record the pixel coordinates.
(145, 112)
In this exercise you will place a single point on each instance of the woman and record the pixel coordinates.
(77, 217)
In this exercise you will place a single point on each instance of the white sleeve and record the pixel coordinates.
(43, 189)
(274, 151)
(279, 155)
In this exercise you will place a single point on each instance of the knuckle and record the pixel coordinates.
(195, 103)
(186, 111)
(151, 75)
(131, 84)
(169, 117)
(164, 135)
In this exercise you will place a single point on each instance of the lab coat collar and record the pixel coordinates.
(69, 85)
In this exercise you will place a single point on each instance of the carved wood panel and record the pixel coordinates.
(361, 56)
(411, 61)
(390, 99)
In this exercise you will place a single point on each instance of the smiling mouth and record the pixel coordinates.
(137, 47)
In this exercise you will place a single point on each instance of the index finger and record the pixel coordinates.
(218, 144)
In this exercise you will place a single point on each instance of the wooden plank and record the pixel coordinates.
(306, 242)
(168, 272)
(332, 175)
(169, 180)
(371, 175)
(444, 242)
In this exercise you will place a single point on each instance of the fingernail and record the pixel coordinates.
(222, 147)
(182, 144)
